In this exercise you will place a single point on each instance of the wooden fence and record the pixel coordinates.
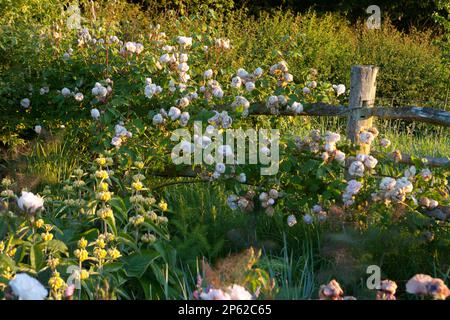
(361, 111)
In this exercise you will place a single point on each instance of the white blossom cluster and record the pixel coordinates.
(330, 149)
(368, 136)
(326, 143)
(212, 89)
(222, 43)
(121, 135)
(280, 70)
(244, 203)
(240, 102)
(131, 47)
(274, 103)
(267, 200)
(100, 92)
(339, 89)
(243, 77)
(295, 107)
(220, 120)
(353, 187)
(151, 89)
(309, 87)
(395, 190)
(363, 162)
(174, 114)
(177, 62)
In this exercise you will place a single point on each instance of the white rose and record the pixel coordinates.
(339, 89)
(165, 58)
(38, 129)
(30, 202)
(218, 92)
(242, 178)
(250, 86)
(79, 97)
(339, 156)
(184, 118)
(174, 113)
(258, 72)
(387, 183)
(291, 220)
(95, 114)
(220, 167)
(356, 169)
(236, 82)
(25, 103)
(208, 74)
(158, 119)
(370, 162)
(183, 67)
(65, 92)
(184, 102)
(288, 77)
(242, 73)
(307, 218)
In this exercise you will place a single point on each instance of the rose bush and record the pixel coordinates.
(106, 229)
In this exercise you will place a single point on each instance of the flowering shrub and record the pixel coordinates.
(104, 233)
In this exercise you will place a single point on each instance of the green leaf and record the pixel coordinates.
(7, 262)
(57, 246)
(36, 257)
(136, 264)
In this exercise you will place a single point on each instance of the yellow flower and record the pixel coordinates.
(81, 254)
(103, 186)
(56, 282)
(137, 220)
(137, 185)
(101, 161)
(11, 252)
(78, 172)
(163, 205)
(100, 253)
(47, 236)
(84, 274)
(104, 196)
(148, 238)
(105, 213)
(2, 246)
(101, 174)
(113, 253)
(139, 164)
(82, 243)
(110, 237)
(39, 223)
(6, 182)
(8, 274)
(100, 242)
(53, 262)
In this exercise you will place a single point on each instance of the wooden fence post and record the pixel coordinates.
(362, 97)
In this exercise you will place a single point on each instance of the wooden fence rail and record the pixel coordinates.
(320, 109)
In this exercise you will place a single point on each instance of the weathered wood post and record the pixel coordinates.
(362, 97)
